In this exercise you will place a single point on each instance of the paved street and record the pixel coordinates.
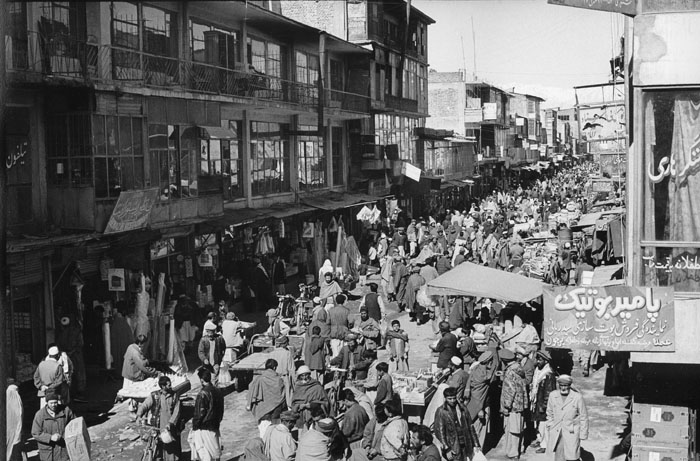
(117, 437)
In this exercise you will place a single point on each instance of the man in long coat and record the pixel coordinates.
(400, 278)
(415, 281)
(567, 420)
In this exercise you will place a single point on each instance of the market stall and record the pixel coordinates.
(470, 279)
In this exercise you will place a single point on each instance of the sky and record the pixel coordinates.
(535, 47)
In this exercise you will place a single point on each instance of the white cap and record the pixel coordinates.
(456, 360)
(303, 369)
(53, 350)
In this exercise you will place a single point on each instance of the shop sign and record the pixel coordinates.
(116, 279)
(617, 318)
(602, 186)
(628, 7)
(473, 115)
(490, 111)
(132, 210)
(613, 165)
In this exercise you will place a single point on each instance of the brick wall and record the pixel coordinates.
(446, 104)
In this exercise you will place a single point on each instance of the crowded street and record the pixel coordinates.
(350, 230)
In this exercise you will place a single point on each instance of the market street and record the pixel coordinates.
(607, 415)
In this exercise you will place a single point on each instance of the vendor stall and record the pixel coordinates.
(470, 279)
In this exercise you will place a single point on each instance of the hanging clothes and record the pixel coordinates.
(333, 225)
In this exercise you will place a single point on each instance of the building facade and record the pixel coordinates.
(142, 136)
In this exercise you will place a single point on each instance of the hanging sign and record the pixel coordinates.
(628, 7)
(618, 318)
(116, 279)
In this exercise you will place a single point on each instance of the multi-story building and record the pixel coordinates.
(143, 135)
(395, 78)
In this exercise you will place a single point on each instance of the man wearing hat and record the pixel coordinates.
(446, 346)
(316, 443)
(354, 422)
(284, 354)
(307, 391)
(567, 420)
(543, 383)
(513, 404)
(480, 379)
(212, 348)
(351, 358)
(413, 284)
(49, 426)
(338, 318)
(458, 377)
(279, 443)
(49, 374)
(266, 397)
(165, 414)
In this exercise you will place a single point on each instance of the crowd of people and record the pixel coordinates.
(335, 399)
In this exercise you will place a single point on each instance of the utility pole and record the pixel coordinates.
(4, 306)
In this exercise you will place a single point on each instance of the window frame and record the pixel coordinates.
(121, 157)
(274, 147)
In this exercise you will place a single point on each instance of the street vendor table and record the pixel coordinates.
(416, 390)
(140, 390)
(242, 372)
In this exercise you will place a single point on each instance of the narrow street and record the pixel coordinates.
(117, 438)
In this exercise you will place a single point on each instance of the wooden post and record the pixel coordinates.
(4, 301)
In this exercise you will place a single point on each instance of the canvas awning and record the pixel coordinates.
(469, 279)
(335, 202)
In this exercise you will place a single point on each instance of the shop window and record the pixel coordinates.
(68, 150)
(231, 163)
(337, 153)
(312, 160)
(118, 151)
(269, 151)
(671, 189)
(394, 129)
(214, 46)
(18, 165)
(174, 157)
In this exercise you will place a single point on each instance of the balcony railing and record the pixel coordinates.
(56, 55)
(65, 56)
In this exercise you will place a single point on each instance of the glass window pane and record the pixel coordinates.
(125, 136)
(98, 135)
(101, 181)
(111, 132)
(137, 136)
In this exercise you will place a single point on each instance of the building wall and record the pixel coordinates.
(446, 103)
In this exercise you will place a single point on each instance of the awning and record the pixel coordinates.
(587, 220)
(604, 276)
(332, 202)
(209, 132)
(469, 279)
(132, 211)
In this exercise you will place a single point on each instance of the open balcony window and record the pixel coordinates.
(307, 74)
(214, 46)
(62, 38)
(145, 44)
(231, 163)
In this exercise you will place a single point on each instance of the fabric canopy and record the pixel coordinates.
(469, 279)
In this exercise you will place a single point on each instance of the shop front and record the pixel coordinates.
(664, 200)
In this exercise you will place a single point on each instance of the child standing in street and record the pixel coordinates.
(398, 345)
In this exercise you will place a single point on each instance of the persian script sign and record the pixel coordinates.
(618, 318)
(628, 7)
(132, 210)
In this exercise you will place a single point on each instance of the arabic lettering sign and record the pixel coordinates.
(613, 165)
(132, 210)
(677, 267)
(617, 318)
(616, 6)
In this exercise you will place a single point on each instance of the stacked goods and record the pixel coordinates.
(662, 432)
